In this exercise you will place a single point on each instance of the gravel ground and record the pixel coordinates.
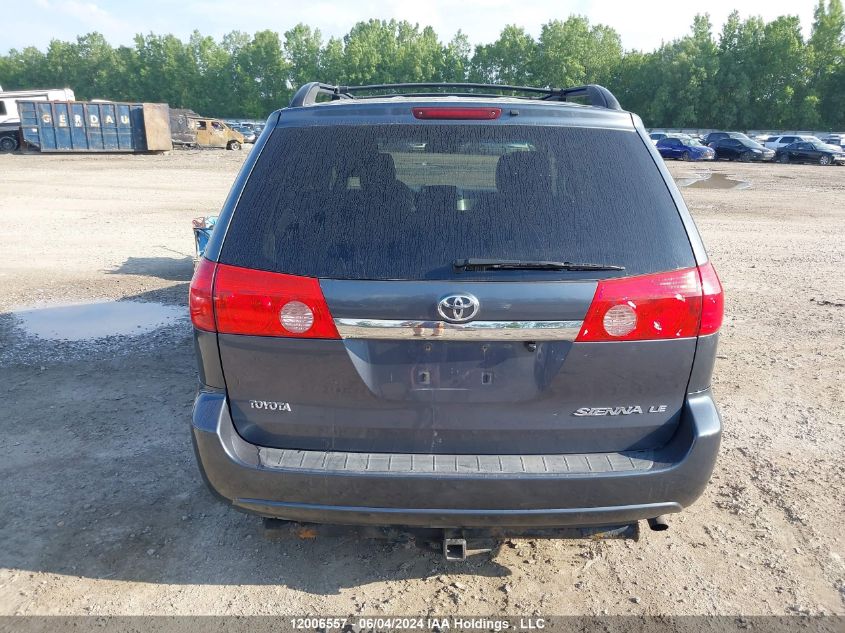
(105, 513)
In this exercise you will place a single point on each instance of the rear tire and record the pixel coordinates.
(685, 156)
(233, 145)
(8, 144)
(824, 160)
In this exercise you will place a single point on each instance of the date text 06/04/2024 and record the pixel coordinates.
(455, 623)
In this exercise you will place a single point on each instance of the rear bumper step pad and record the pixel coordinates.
(411, 464)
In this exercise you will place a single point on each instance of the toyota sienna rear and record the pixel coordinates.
(455, 310)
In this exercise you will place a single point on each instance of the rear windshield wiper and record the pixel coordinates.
(505, 264)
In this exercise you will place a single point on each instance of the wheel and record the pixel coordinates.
(233, 145)
(8, 144)
(745, 157)
(824, 159)
(685, 156)
(784, 158)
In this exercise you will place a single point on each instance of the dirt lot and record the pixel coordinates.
(103, 510)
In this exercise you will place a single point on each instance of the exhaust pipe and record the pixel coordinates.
(658, 524)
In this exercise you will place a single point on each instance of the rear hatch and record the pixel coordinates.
(421, 251)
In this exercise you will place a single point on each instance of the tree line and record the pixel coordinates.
(751, 75)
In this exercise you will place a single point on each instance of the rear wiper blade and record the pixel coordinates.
(505, 264)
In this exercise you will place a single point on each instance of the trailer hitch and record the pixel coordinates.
(454, 545)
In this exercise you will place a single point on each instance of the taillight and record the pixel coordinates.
(713, 308)
(676, 304)
(262, 303)
(458, 113)
(200, 300)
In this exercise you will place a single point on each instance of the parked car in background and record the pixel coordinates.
(776, 142)
(684, 148)
(835, 139)
(655, 137)
(811, 152)
(715, 136)
(381, 342)
(249, 135)
(743, 149)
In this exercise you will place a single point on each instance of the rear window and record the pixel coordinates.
(405, 201)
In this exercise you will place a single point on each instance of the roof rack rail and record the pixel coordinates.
(308, 93)
(596, 95)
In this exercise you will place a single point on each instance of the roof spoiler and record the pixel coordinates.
(596, 95)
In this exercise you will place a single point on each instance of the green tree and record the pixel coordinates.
(781, 78)
(736, 99)
(27, 67)
(263, 75)
(95, 66)
(572, 53)
(508, 60)
(333, 62)
(302, 52)
(456, 59)
(689, 67)
(419, 54)
(370, 52)
(166, 70)
(634, 82)
(827, 62)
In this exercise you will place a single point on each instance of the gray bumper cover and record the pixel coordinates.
(457, 491)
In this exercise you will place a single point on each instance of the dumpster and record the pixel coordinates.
(101, 126)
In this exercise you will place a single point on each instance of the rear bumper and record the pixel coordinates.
(311, 488)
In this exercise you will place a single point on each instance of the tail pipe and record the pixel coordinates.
(658, 524)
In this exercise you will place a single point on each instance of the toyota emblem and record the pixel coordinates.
(458, 308)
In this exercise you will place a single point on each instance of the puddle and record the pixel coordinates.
(710, 180)
(98, 319)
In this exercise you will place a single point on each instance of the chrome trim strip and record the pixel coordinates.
(396, 329)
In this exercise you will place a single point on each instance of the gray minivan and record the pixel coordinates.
(455, 306)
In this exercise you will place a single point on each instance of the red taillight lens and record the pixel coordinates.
(713, 307)
(661, 306)
(199, 296)
(262, 303)
(458, 113)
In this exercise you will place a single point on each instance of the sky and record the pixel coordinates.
(642, 24)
